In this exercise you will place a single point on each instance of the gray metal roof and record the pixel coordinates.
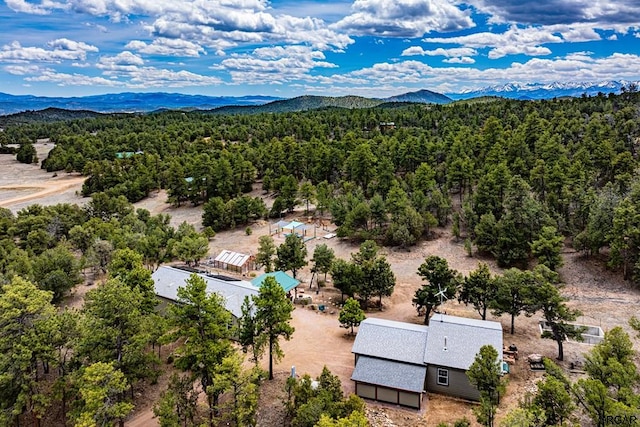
(398, 375)
(455, 341)
(167, 280)
(388, 339)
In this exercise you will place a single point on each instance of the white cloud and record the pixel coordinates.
(403, 18)
(502, 51)
(576, 33)
(450, 79)
(167, 47)
(44, 8)
(460, 60)
(124, 76)
(584, 55)
(550, 12)
(63, 79)
(274, 65)
(123, 59)
(217, 24)
(449, 53)
(70, 45)
(613, 37)
(517, 40)
(21, 70)
(155, 77)
(61, 50)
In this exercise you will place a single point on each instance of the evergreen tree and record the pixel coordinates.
(547, 299)
(24, 313)
(514, 294)
(323, 258)
(547, 248)
(346, 277)
(272, 315)
(554, 399)
(202, 322)
(351, 315)
(266, 253)
(178, 403)
(56, 270)
(291, 254)
(99, 386)
(485, 373)
(442, 284)
(27, 154)
(478, 289)
(128, 266)
(608, 391)
(112, 330)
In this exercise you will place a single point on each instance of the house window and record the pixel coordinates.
(443, 377)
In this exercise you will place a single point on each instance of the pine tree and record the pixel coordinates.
(485, 373)
(351, 314)
(272, 315)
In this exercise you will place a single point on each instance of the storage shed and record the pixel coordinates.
(235, 261)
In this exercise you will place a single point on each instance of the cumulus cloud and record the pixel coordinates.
(124, 76)
(70, 45)
(516, 40)
(145, 77)
(167, 47)
(21, 70)
(451, 79)
(217, 24)
(449, 53)
(550, 12)
(124, 59)
(460, 60)
(64, 79)
(404, 18)
(44, 8)
(60, 50)
(274, 65)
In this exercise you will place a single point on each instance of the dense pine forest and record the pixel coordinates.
(503, 173)
(514, 179)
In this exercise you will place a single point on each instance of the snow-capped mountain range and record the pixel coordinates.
(545, 90)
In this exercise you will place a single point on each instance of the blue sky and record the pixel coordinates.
(288, 48)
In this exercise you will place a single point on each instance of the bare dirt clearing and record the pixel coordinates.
(605, 299)
(22, 185)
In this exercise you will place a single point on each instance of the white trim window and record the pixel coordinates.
(443, 377)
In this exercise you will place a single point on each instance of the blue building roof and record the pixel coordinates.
(287, 282)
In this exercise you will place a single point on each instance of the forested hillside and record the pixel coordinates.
(508, 175)
(514, 179)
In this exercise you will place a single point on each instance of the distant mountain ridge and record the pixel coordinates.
(130, 102)
(546, 90)
(149, 102)
(423, 96)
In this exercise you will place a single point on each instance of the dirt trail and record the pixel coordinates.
(44, 189)
(24, 184)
